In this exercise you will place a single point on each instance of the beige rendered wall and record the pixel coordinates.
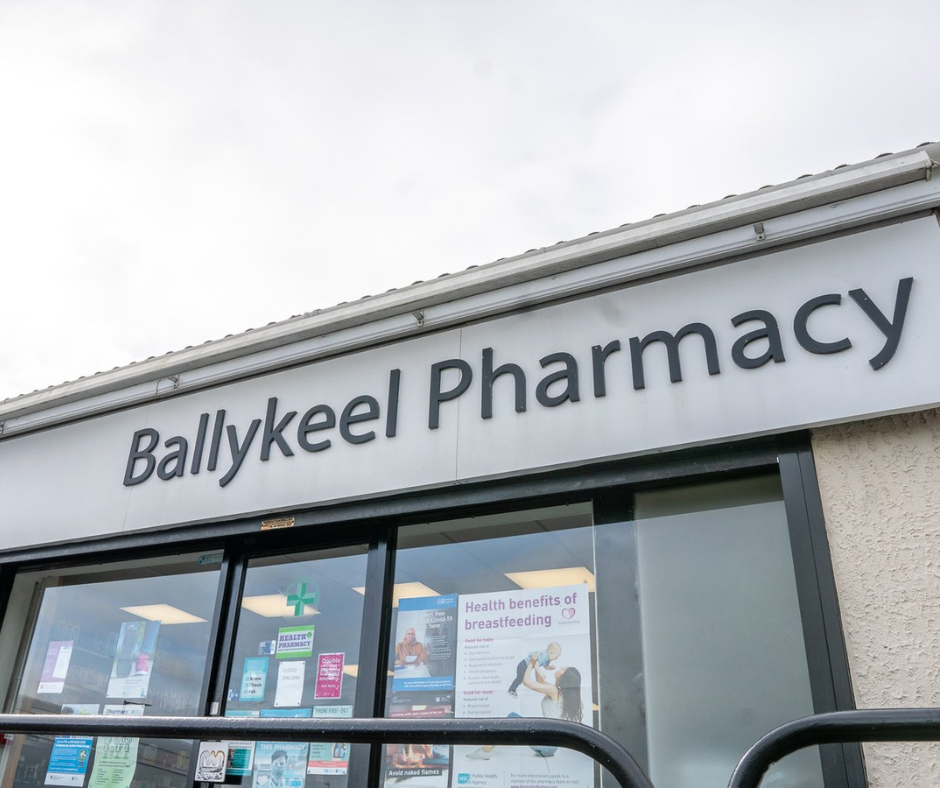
(880, 487)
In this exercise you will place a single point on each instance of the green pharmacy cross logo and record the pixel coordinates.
(304, 595)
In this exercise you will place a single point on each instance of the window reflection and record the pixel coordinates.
(494, 617)
(297, 655)
(129, 638)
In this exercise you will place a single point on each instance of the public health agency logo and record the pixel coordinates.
(463, 779)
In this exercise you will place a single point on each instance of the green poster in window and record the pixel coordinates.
(115, 756)
(115, 762)
(294, 642)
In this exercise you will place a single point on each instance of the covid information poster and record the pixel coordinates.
(69, 760)
(425, 646)
(424, 661)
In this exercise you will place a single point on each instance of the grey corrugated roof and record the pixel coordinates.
(658, 217)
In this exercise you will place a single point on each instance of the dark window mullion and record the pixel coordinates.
(617, 571)
(365, 759)
(221, 638)
(224, 628)
(819, 606)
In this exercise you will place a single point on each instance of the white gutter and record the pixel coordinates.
(879, 189)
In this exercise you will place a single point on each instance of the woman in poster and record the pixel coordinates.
(561, 701)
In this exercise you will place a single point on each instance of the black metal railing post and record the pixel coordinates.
(859, 725)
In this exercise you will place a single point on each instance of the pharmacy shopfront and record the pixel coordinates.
(611, 481)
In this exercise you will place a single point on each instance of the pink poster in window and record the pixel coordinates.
(330, 675)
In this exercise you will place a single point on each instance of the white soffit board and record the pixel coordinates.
(793, 212)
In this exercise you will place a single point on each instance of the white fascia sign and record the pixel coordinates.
(828, 332)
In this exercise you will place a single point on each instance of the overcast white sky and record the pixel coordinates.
(172, 172)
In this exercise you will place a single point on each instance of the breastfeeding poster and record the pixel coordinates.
(513, 648)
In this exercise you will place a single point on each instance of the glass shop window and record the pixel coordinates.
(127, 638)
(677, 633)
(494, 617)
(724, 659)
(297, 655)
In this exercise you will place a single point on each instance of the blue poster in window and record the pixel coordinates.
(426, 644)
(254, 678)
(286, 712)
(69, 760)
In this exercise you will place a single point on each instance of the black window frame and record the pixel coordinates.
(610, 486)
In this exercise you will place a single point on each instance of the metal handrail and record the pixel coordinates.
(506, 731)
(860, 725)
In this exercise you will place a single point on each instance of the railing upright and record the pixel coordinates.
(860, 725)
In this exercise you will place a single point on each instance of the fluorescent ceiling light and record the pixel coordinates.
(549, 578)
(405, 591)
(165, 614)
(275, 606)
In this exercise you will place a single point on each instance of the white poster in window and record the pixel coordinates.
(55, 668)
(329, 757)
(524, 653)
(417, 765)
(290, 683)
(123, 710)
(133, 659)
(210, 763)
(81, 708)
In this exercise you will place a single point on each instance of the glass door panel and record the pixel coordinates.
(493, 617)
(128, 638)
(296, 654)
(677, 632)
(723, 651)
